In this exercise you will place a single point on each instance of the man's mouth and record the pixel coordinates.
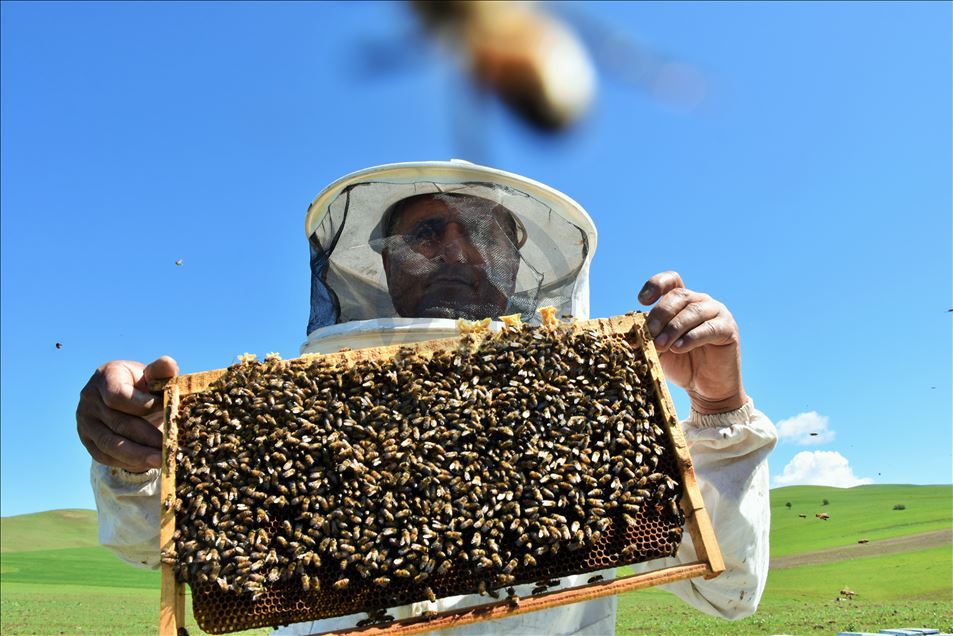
(451, 280)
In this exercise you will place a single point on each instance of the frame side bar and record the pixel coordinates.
(172, 595)
(696, 517)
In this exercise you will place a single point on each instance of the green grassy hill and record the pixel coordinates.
(48, 530)
(863, 512)
(54, 578)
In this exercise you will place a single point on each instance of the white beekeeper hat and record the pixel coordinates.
(555, 238)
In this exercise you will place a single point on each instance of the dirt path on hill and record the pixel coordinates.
(874, 548)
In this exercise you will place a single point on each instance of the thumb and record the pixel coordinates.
(160, 369)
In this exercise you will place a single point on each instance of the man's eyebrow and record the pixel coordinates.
(436, 215)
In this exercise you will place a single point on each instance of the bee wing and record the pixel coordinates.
(624, 58)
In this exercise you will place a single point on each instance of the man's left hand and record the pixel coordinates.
(698, 343)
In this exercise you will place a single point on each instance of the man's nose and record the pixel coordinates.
(455, 243)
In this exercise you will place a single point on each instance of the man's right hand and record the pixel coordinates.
(118, 419)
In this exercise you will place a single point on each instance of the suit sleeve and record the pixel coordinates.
(730, 457)
(128, 508)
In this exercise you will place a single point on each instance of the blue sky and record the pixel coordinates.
(811, 193)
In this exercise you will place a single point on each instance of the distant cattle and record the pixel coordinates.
(823, 515)
(863, 540)
(847, 592)
(803, 516)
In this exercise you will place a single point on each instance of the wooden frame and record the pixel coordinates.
(709, 561)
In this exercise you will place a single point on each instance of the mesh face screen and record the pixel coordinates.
(380, 246)
(306, 491)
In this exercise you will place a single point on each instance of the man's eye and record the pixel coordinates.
(426, 231)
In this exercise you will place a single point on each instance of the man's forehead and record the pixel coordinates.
(425, 205)
(421, 205)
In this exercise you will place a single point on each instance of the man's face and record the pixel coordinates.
(450, 256)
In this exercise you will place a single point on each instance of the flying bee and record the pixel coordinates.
(539, 66)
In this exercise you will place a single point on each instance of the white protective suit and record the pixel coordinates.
(729, 450)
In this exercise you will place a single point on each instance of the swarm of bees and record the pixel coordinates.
(530, 454)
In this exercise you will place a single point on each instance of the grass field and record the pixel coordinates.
(73, 586)
(864, 512)
(36, 608)
(911, 588)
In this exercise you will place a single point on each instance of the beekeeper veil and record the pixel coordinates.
(445, 240)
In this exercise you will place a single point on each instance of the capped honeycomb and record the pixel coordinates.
(306, 490)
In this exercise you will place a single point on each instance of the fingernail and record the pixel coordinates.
(646, 292)
(679, 342)
(654, 327)
(145, 400)
(154, 460)
(661, 340)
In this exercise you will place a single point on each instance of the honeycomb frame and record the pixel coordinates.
(283, 605)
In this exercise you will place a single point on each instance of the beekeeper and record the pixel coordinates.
(398, 252)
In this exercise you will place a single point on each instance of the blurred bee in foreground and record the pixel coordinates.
(542, 68)
(533, 62)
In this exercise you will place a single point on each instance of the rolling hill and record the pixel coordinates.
(51, 530)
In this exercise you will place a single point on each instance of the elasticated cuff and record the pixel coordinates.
(123, 477)
(741, 416)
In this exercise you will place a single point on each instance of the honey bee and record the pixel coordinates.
(341, 584)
